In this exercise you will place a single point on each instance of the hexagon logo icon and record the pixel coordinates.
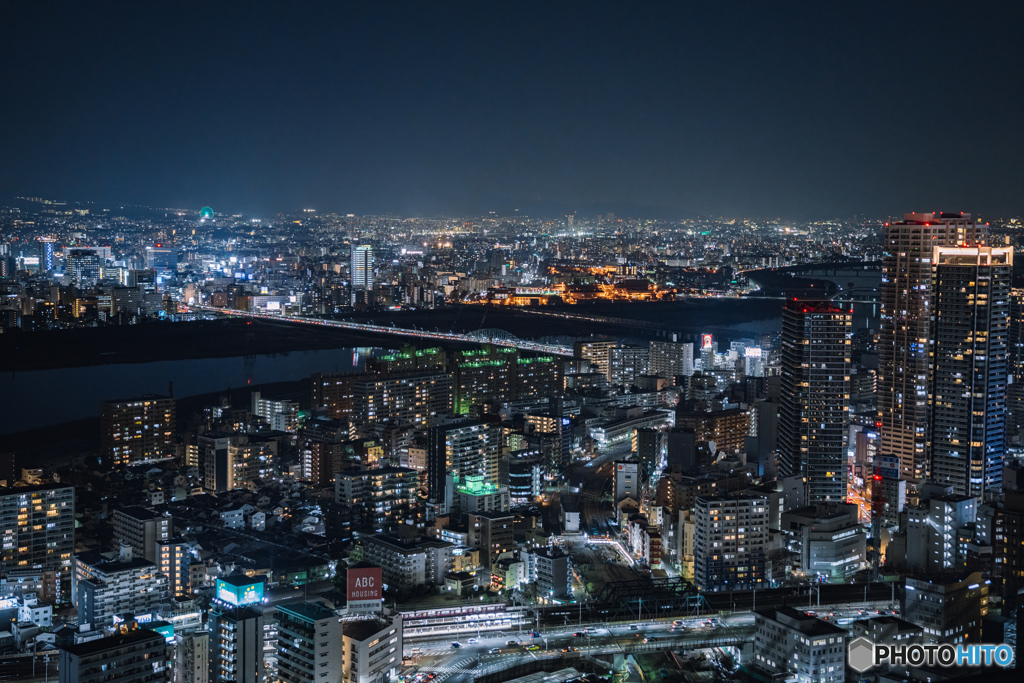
(860, 654)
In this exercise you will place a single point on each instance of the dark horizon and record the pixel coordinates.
(801, 112)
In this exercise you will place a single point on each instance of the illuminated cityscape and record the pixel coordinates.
(484, 344)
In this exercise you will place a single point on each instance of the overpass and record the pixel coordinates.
(488, 336)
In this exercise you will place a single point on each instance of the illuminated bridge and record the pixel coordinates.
(489, 336)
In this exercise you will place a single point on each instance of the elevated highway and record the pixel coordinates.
(488, 336)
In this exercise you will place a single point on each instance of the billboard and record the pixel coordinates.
(249, 593)
(365, 589)
(705, 342)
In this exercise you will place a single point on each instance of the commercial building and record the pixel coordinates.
(969, 377)
(627, 480)
(138, 429)
(129, 656)
(903, 343)
(371, 649)
(236, 630)
(308, 639)
(932, 531)
(799, 647)
(949, 607)
(730, 542)
(38, 527)
(621, 428)
(192, 657)
(829, 539)
(814, 397)
(140, 529)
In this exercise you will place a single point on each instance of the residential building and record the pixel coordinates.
(138, 429)
(932, 530)
(458, 450)
(814, 398)
(549, 569)
(308, 639)
(904, 353)
(104, 589)
(730, 542)
(626, 364)
(670, 359)
(408, 563)
(192, 657)
(38, 527)
(597, 353)
(140, 528)
(280, 414)
(361, 270)
(969, 375)
(378, 499)
(173, 560)
(493, 533)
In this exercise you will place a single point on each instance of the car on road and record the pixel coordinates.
(534, 634)
(632, 627)
(473, 641)
(578, 634)
(511, 643)
(650, 639)
(456, 645)
(494, 651)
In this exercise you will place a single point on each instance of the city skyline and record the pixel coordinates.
(665, 110)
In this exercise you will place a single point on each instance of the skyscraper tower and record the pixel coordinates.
(903, 345)
(46, 254)
(814, 398)
(969, 378)
(362, 269)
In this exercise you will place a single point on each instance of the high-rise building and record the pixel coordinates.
(597, 353)
(814, 397)
(38, 527)
(481, 375)
(192, 657)
(949, 607)
(932, 531)
(131, 655)
(174, 561)
(162, 258)
(138, 429)
(308, 639)
(362, 269)
(377, 499)
(1015, 353)
(904, 341)
(730, 542)
(236, 630)
(82, 267)
(969, 376)
(625, 364)
(46, 254)
(670, 359)
(459, 450)
(416, 398)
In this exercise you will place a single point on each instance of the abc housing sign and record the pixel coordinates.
(365, 589)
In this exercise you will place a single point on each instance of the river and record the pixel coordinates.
(40, 398)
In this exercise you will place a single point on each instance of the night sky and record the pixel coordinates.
(672, 109)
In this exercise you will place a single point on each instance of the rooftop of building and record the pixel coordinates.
(137, 512)
(550, 552)
(309, 611)
(118, 640)
(363, 629)
(376, 471)
(803, 622)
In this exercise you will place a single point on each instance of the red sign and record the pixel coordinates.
(705, 341)
(365, 583)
